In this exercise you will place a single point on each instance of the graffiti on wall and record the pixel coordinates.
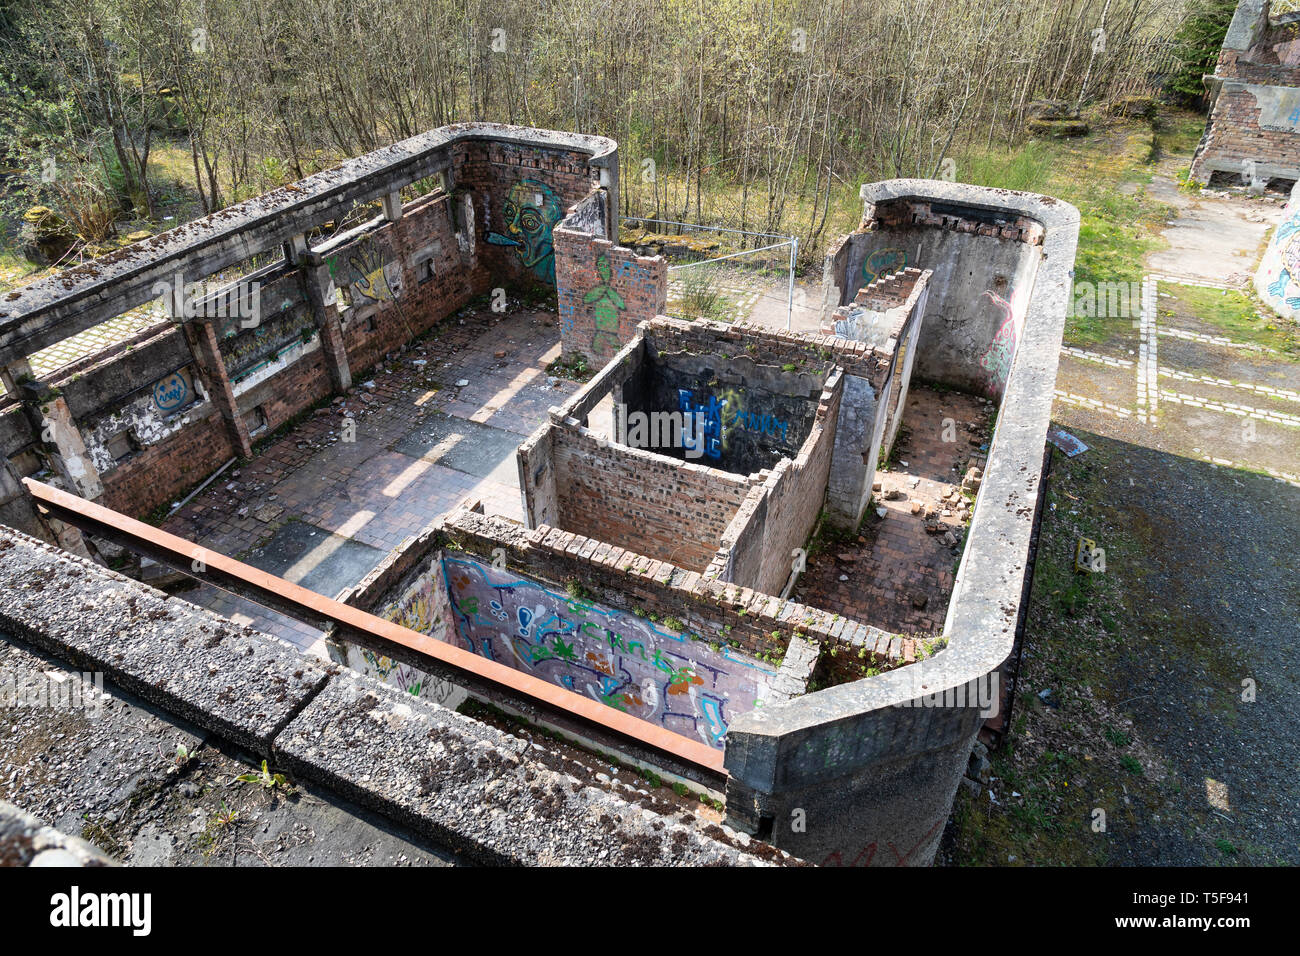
(719, 416)
(706, 418)
(883, 262)
(605, 304)
(1278, 279)
(149, 417)
(173, 392)
(362, 271)
(627, 662)
(858, 324)
(996, 360)
(531, 209)
(421, 607)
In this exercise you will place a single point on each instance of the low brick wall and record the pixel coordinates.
(670, 510)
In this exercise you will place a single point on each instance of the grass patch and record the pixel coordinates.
(1104, 176)
(1239, 316)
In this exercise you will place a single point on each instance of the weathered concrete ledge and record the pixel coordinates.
(234, 681)
(470, 786)
(465, 784)
(896, 743)
(26, 841)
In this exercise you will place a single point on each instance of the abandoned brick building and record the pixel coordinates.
(504, 541)
(1253, 132)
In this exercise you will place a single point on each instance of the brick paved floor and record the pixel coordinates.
(897, 575)
(323, 512)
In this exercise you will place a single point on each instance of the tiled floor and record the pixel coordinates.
(322, 512)
(898, 575)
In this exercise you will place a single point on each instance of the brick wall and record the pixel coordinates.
(806, 351)
(605, 291)
(1261, 54)
(490, 170)
(155, 474)
(757, 623)
(435, 260)
(437, 279)
(756, 548)
(1233, 135)
(673, 511)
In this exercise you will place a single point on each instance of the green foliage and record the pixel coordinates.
(265, 779)
(1197, 42)
(577, 591)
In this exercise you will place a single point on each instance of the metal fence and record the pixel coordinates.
(715, 272)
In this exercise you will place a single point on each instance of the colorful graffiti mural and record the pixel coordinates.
(1278, 278)
(531, 209)
(627, 662)
(996, 360)
(365, 275)
(883, 262)
(606, 304)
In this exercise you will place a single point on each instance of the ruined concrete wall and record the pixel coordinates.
(605, 291)
(888, 314)
(428, 273)
(859, 432)
(537, 479)
(864, 774)
(984, 263)
(1253, 130)
(666, 509)
(158, 417)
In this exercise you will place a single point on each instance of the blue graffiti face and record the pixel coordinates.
(171, 393)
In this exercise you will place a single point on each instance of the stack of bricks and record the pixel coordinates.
(916, 213)
(899, 290)
(766, 346)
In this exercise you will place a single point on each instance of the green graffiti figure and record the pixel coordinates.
(605, 306)
(530, 210)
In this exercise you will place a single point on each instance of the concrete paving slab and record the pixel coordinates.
(479, 450)
(318, 560)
